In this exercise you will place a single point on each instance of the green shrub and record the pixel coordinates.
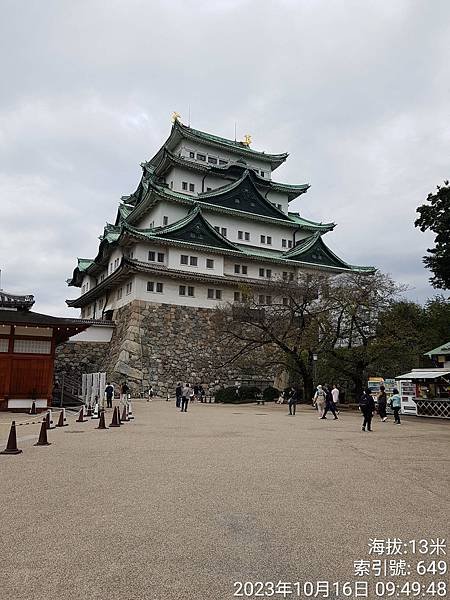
(270, 394)
(228, 395)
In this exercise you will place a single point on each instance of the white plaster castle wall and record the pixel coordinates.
(187, 146)
(234, 224)
(174, 261)
(173, 211)
(94, 333)
(278, 198)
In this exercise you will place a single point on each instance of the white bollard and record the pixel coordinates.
(50, 419)
(130, 411)
(95, 414)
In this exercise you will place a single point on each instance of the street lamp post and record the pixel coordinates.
(314, 357)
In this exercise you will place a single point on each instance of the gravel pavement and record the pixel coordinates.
(179, 506)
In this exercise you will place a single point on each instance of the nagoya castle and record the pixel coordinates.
(206, 218)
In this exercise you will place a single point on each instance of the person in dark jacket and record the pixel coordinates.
(367, 406)
(329, 402)
(382, 401)
(109, 393)
(178, 395)
(293, 399)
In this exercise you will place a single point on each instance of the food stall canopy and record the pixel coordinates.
(425, 374)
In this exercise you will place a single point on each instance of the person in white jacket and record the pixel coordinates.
(320, 400)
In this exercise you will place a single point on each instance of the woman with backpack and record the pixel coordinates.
(320, 400)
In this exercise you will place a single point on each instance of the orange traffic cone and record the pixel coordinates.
(115, 420)
(42, 441)
(81, 418)
(118, 416)
(33, 409)
(62, 418)
(89, 410)
(101, 424)
(124, 417)
(11, 446)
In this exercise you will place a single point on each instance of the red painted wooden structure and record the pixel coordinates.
(27, 351)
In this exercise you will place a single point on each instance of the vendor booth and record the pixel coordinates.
(426, 392)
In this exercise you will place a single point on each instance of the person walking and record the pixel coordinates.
(367, 406)
(335, 394)
(329, 402)
(319, 400)
(187, 394)
(382, 401)
(293, 399)
(124, 391)
(151, 393)
(396, 403)
(178, 395)
(109, 393)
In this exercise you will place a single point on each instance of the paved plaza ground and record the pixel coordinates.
(180, 506)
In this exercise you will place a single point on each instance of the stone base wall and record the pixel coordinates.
(161, 345)
(75, 358)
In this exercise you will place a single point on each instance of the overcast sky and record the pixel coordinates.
(356, 91)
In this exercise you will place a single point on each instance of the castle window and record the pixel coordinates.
(261, 299)
(268, 273)
(184, 258)
(244, 269)
(240, 235)
(171, 185)
(218, 294)
(129, 287)
(217, 228)
(237, 296)
(263, 239)
(237, 269)
(159, 288)
(151, 256)
(208, 189)
(119, 293)
(269, 240)
(201, 157)
(268, 299)
(182, 290)
(291, 276)
(283, 243)
(280, 207)
(193, 261)
(262, 173)
(191, 154)
(289, 243)
(212, 160)
(246, 236)
(210, 294)
(190, 290)
(150, 286)
(184, 185)
(161, 257)
(192, 187)
(261, 272)
(209, 263)
(223, 231)
(165, 220)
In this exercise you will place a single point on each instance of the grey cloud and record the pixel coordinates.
(355, 91)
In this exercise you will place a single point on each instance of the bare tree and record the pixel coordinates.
(284, 323)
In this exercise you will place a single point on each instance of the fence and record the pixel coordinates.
(92, 385)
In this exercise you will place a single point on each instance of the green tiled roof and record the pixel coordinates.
(84, 263)
(444, 349)
(180, 132)
(311, 225)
